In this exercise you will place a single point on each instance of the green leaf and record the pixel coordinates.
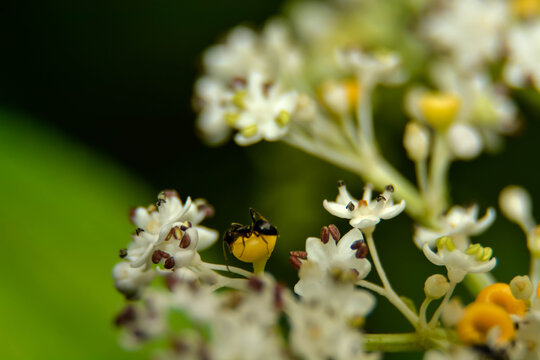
(64, 216)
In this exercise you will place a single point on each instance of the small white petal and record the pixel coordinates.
(337, 209)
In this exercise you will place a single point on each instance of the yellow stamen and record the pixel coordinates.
(231, 118)
(479, 318)
(500, 294)
(283, 118)
(439, 109)
(249, 131)
(239, 99)
(447, 242)
(486, 254)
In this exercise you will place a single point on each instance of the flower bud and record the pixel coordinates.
(452, 312)
(515, 204)
(521, 287)
(464, 141)
(439, 109)
(416, 141)
(436, 286)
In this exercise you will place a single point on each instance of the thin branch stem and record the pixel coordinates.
(443, 303)
(232, 269)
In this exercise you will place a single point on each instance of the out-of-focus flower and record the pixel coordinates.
(523, 67)
(471, 30)
(459, 223)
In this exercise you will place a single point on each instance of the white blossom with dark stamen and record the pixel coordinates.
(164, 226)
(336, 255)
(459, 223)
(367, 212)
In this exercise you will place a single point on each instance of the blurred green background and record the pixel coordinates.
(95, 118)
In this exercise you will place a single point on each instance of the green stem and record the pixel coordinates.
(476, 282)
(258, 266)
(373, 169)
(535, 270)
(392, 342)
(437, 189)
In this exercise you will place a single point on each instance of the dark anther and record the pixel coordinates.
(170, 193)
(238, 82)
(334, 231)
(340, 183)
(126, 316)
(267, 86)
(158, 255)
(169, 263)
(295, 257)
(361, 249)
(122, 253)
(179, 346)
(185, 242)
(206, 209)
(381, 198)
(325, 234)
(138, 231)
(255, 283)
(389, 188)
(350, 206)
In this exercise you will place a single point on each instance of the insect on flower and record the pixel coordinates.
(251, 243)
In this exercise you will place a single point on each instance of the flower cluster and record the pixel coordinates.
(310, 79)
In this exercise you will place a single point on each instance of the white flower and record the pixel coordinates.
(347, 253)
(527, 341)
(169, 232)
(524, 48)
(371, 68)
(131, 281)
(264, 111)
(459, 223)
(272, 53)
(455, 353)
(464, 141)
(475, 259)
(470, 29)
(318, 334)
(210, 97)
(367, 212)
(236, 56)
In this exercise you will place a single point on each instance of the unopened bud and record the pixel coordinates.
(416, 141)
(515, 203)
(464, 141)
(452, 312)
(439, 109)
(436, 286)
(521, 287)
